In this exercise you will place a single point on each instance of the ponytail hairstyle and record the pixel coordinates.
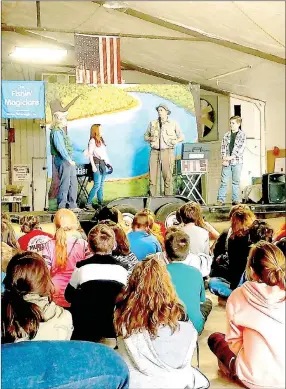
(29, 223)
(267, 262)
(65, 220)
(95, 134)
(26, 273)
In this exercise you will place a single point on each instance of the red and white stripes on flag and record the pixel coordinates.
(98, 59)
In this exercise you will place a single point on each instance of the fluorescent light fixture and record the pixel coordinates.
(229, 73)
(115, 5)
(39, 54)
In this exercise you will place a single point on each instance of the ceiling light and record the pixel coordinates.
(115, 5)
(39, 54)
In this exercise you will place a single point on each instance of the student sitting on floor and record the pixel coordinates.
(234, 262)
(142, 242)
(188, 281)
(34, 238)
(94, 286)
(154, 340)
(28, 312)
(122, 252)
(7, 252)
(199, 236)
(253, 349)
(63, 252)
(8, 235)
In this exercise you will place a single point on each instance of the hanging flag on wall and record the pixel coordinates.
(98, 59)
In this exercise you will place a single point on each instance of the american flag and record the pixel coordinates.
(98, 59)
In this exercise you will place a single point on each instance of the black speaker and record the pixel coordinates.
(274, 188)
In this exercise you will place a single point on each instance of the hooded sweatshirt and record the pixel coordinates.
(57, 321)
(256, 334)
(163, 362)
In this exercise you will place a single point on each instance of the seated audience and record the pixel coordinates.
(233, 264)
(63, 252)
(122, 252)
(62, 365)
(34, 238)
(8, 235)
(253, 349)
(94, 286)
(199, 236)
(154, 339)
(188, 281)
(142, 242)
(28, 312)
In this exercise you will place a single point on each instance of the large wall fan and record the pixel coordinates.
(207, 117)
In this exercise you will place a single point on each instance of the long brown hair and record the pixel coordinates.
(192, 213)
(95, 134)
(26, 273)
(268, 262)
(149, 301)
(8, 234)
(65, 220)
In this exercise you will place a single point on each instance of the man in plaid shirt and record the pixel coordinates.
(232, 148)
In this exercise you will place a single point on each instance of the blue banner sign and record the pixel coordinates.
(23, 99)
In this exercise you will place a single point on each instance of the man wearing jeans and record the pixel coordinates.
(232, 148)
(61, 150)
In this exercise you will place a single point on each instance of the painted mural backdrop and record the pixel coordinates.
(124, 113)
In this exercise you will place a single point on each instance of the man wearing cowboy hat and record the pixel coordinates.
(163, 134)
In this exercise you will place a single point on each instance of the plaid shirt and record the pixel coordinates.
(238, 149)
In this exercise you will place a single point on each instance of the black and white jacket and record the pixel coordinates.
(92, 291)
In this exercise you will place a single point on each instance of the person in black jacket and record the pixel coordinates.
(233, 262)
(94, 286)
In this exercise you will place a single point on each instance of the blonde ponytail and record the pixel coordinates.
(61, 248)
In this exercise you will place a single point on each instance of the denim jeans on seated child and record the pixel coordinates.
(220, 287)
(62, 365)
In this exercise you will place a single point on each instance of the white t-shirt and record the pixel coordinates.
(98, 151)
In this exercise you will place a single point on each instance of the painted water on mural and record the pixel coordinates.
(123, 133)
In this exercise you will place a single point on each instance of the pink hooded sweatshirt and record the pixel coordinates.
(77, 250)
(256, 334)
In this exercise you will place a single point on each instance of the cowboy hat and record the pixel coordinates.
(164, 107)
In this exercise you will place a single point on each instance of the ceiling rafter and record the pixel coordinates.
(194, 33)
(35, 30)
(125, 65)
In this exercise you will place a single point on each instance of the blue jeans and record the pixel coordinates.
(220, 287)
(67, 193)
(62, 365)
(98, 180)
(235, 172)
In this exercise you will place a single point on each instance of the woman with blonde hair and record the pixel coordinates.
(235, 258)
(253, 349)
(154, 338)
(99, 162)
(63, 252)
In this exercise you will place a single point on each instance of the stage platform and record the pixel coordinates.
(211, 212)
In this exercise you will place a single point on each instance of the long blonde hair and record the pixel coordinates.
(65, 220)
(149, 301)
(268, 263)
